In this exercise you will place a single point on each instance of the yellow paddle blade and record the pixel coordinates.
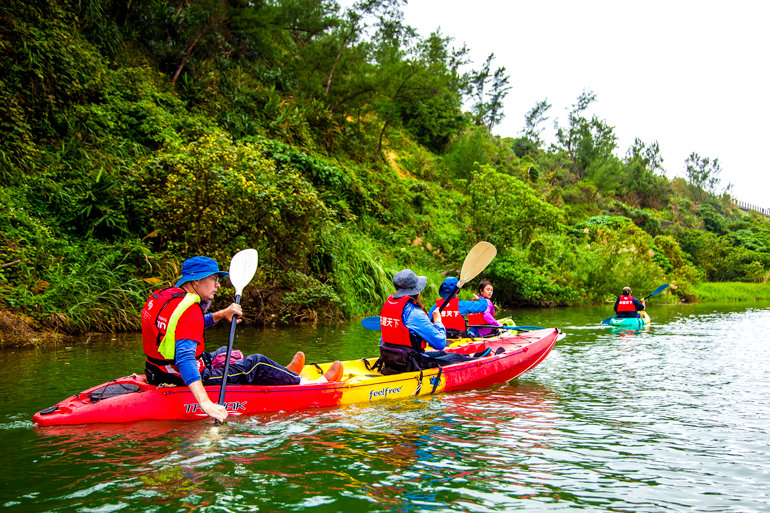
(477, 260)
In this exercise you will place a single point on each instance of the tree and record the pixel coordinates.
(532, 121)
(355, 24)
(432, 111)
(641, 181)
(202, 19)
(506, 210)
(412, 73)
(488, 107)
(702, 175)
(589, 143)
(648, 156)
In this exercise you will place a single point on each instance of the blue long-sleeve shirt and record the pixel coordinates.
(184, 355)
(465, 307)
(418, 323)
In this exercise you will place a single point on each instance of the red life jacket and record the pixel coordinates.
(626, 304)
(392, 324)
(478, 318)
(155, 317)
(450, 316)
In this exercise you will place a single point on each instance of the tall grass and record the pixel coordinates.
(362, 274)
(92, 287)
(364, 270)
(732, 291)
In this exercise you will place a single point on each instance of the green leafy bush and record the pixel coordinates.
(215, 197)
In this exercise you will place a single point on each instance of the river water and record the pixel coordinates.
(671, 418)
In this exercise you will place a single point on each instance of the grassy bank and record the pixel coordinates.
(731, 291)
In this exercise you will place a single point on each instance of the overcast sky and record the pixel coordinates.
(692, 75)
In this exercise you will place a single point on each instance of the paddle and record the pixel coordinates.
(477, 260)
(373, 323)
(513, 328)
(242, 269)
(656, 291)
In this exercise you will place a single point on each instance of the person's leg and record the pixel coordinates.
(254, 369)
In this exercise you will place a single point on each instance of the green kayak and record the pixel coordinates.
(630, 322)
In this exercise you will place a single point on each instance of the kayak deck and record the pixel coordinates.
(138, 400)
(631, 322)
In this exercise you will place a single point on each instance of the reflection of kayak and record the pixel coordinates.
(631, 322)
(132, 398)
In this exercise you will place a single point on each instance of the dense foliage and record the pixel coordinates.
(137, 133)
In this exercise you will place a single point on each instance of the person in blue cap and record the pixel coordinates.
(453, 315)
(173, 322)
(407, 330)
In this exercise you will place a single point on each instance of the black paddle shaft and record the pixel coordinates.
(233, 322)
(448, 299)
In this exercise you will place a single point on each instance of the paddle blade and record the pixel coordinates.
(607, 320)
(477, 260)
(242, 269)
(659, 290)
(371, 323)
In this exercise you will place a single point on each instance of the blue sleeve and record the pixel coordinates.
(184, 359)
(468, 307)
(418, 322)
(208, 321)
(638, 305)
(616, 304)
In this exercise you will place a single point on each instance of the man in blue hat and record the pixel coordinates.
(173, 322)
(453, 315)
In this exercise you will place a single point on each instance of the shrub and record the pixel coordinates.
(215, 197)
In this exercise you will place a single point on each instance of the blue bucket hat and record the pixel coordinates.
(408, 283)
(447, 287)
(198, 267)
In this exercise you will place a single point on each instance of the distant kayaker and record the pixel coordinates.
(453, 316)
(173, 320)
(407, 330)
(488, 315)
(627, 306)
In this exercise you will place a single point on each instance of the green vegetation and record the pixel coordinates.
(728, 291)
(137, 133)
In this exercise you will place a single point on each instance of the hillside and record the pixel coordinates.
(137, 133)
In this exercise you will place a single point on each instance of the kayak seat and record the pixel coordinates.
(112, 390)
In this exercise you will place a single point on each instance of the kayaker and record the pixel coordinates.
(173, 321)
(453, 316)
(627, 306)
(407, 330)
(488, 314)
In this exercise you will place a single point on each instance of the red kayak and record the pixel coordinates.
(131, 398)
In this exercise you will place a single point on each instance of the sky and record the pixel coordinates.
(692, 75)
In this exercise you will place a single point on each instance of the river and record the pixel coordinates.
(675, 417)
